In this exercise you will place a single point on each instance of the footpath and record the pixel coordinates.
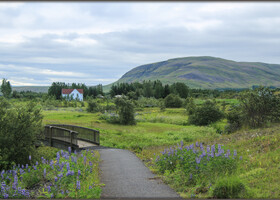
(125, 176)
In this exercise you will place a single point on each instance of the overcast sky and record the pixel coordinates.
(97, 42)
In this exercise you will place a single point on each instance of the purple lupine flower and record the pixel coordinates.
(196, 144)
(55, 179)
(45, 172)
(235, 153)
(28, 169)
(37, 163)
(67, 166)
(182, 143)
(90, 163)
(62, 192)
(6, 196)
(26, 166)
(197, 159)
(228, 152)
(52, 196)
(240, 157)
(29, 157)
(35, 167)
(90, 187)
(75, 152)
(85, 160)
(208, 149)
(67, 191)
(78, 185)
(49, 189)
(79, 172)
(22, 167)
(60, 175)
(69, 150)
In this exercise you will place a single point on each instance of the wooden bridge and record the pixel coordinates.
(63, 136)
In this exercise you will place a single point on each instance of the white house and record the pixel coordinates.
(73, 94)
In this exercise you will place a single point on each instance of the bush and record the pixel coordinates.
(173, 101)
(205, 114)
(229, 188)
(234, 119)
(19, 129)
(259, 107)
(125, 109)
(93, 106)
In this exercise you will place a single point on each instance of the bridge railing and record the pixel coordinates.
(61, 137)
(86, 134)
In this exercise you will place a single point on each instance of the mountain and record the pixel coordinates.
(207, 72)
(43, 89)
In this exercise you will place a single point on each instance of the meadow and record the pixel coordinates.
(157, 130)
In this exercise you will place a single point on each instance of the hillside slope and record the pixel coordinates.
(207, 72)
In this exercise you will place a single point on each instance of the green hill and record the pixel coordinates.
(43, 89)
(207, 72)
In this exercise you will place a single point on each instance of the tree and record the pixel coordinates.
(19, 129)
(181, 89)
(126, 111)
(173, 101)
(205, 114)
(6, 88)
(55, 89)
(260, 106)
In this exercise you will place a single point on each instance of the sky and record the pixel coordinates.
(97, 42)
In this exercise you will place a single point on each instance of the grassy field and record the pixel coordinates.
(157, 130)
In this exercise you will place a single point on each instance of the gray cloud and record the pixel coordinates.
(98, 42)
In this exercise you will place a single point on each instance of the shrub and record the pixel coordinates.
(190, 106)
(205, 114)
(93, 106)
(229, 188)
(260, 106)
(19, 129)
(234, 119)
(125, 109)
(173, 101)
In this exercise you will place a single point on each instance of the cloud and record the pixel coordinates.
(98, 42)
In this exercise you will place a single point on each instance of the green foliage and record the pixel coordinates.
(180, 89)
(205, 114)
(125, 109)
(19, 129)
(92, 106)
(229, 188)
(194, 165)
(190, 106)
(234, 119)
(260, 106)
(6, 88)
(173, 101)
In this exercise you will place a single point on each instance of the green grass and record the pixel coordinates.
(259, 169)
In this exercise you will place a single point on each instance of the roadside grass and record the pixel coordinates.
(259, 168)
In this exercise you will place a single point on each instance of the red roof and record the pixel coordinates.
(68, 91)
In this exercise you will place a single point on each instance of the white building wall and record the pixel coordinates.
(75, 95)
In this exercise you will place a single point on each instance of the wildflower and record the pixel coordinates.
(60, 175)
(37, 163)
(208, 149)
(197, 159)
(29, 157)
(90, 187)
(26, 166)
(49, 189)
(235, 153)
(196, 144)
(67, 166)
(45, 171)
(240, 157)
(35, 167)
(85, 160)
(78, 185)
(62, 192)
(90, 163)
(52, 196)
(69, 150)
(79, 172)
(6, 196)
(182, 143)
(57, 156)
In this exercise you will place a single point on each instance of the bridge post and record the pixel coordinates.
(71, 141)
(51, 143)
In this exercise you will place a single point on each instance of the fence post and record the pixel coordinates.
(71, 141)
(51, 143)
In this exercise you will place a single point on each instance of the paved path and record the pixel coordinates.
(124, 175)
